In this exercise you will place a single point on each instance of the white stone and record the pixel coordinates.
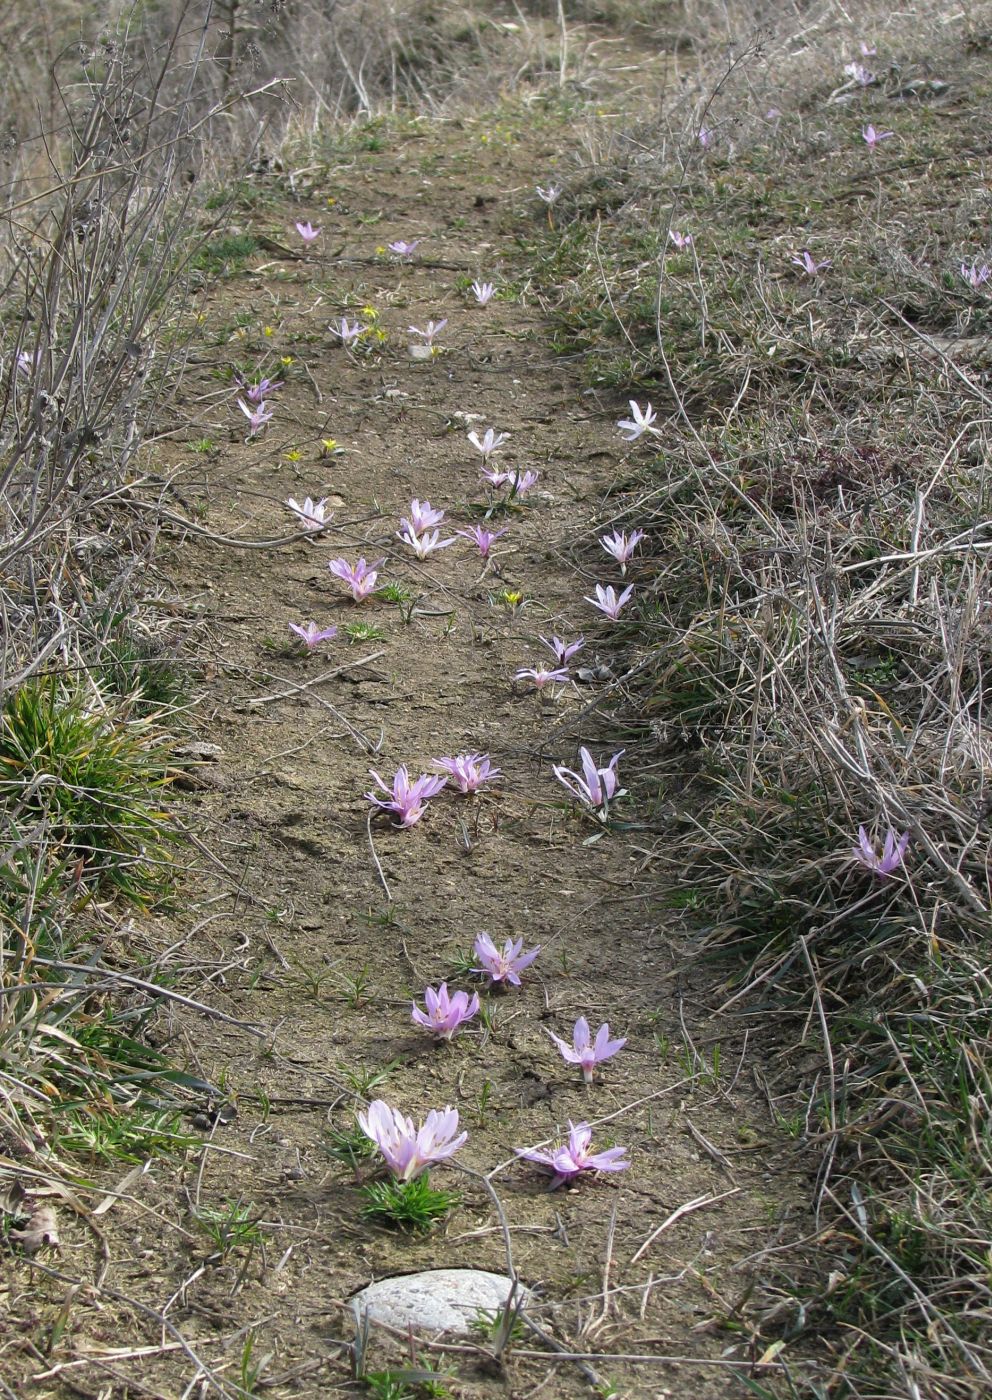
(438, 1300)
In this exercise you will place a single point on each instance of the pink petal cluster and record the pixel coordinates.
(311, 635)
(563, 651)
(622, 545)
(314, 515)
(893, 852)
(608, 601)
(404, 799)
(258, 415)
(483, 539)
(307, 232)
(540, 676)
(445, 1013)
(597, 786)
(468, 772)
(410, 1150)
(360, 578)
(587, 1052)
(569, 1160)
(505, 966)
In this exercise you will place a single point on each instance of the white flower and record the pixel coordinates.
(640, 423)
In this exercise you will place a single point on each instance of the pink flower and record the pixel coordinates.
(523, 482)
(808, 263)
(483, 292)
(468, 771)
(424, 544)
(255, 393)
(504, 966)
(405, 799)
(494, 477)
(976, 276)
(408, 1150)
(404, 249)
(423, 516)
(564, 651)
(541, 675)
(360, 577)
(307, 232)
(484, 539)
(571, 1159)
(348, 334)
(681, 240)
(872, 136)
(622, 546)
(585, 1052)
(311, 635)
(893, 852)
(549, 195)
(597, 786)
(488, 444)
(607, 600)
(257, 416)
(706, 137)
(433, 328)
(314, 515)
(445, 1013)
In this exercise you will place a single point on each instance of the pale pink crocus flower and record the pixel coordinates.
(27, 362)
(489, 443)
(569, 1160)
(403, 248)
(893, 852)
(348, 333)
(549, 196)
(494, 477)
(563, 651)
(424, 544)
(410, 1150)
(505, 966)
(706, 137)
(314, 515)
(255, 393)
(976, 276)
(307, 232)
(468, 771)
(482, 538)
(621, 545)
(587, 1052)
(596, 787)
(681, 240)
(432, 329)
(872, 136)
(257, 416)
(360, 578)
(808, 263)
(445, 1013)
(639, 423)
(423, 516)
(483, 292)
(867, 50)
(404, 799)
(311, 635)
(540, 676)
(608, 602)
(522, 482)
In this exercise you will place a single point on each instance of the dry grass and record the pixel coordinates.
(815, 638)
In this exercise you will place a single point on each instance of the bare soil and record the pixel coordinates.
(319, 930)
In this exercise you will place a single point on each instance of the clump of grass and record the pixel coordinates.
(408, 1205)
(92, 778)
(123, 1136)
(229, 1226)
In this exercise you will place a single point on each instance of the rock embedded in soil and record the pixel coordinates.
(437, 1300)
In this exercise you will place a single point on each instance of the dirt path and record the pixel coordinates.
(301, 938)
